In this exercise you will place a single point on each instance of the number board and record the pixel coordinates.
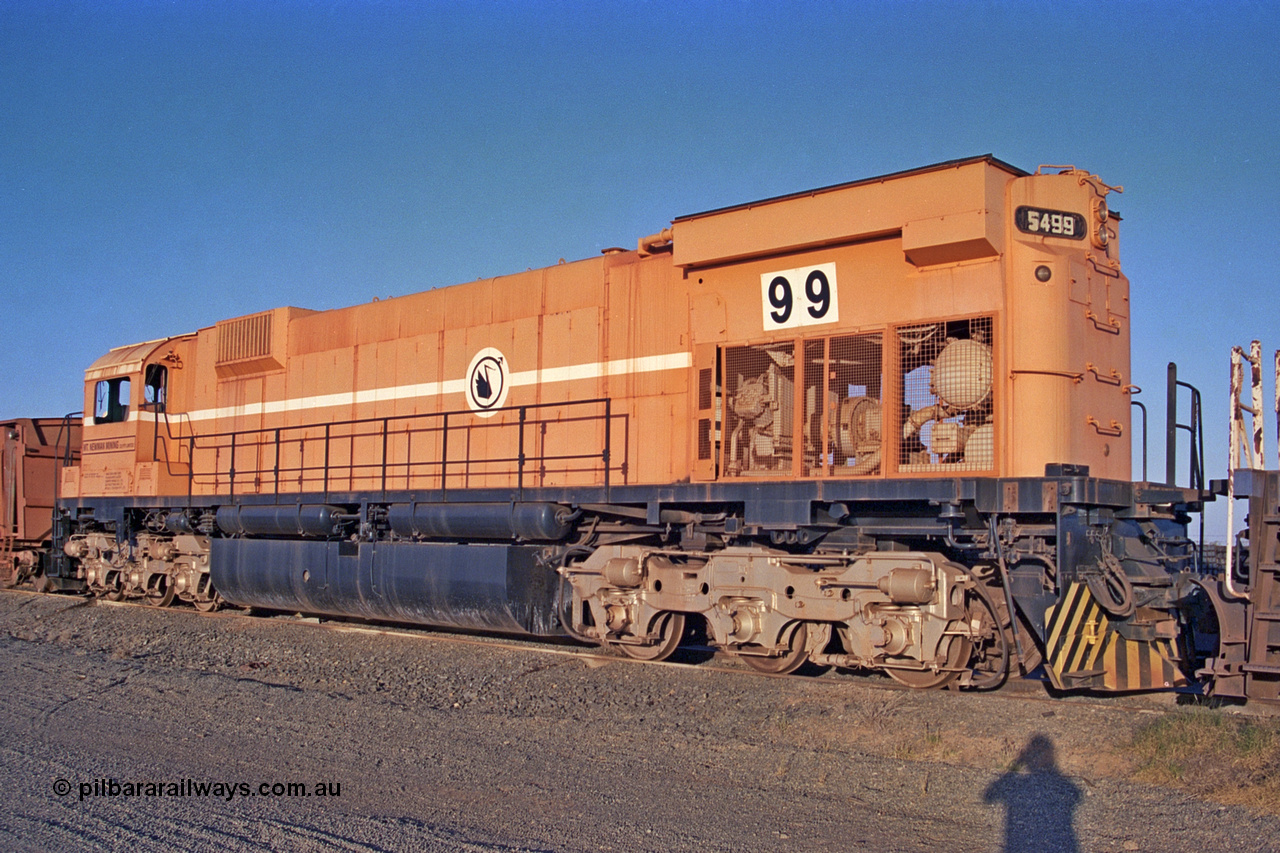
(1051, 223)
(799, 297)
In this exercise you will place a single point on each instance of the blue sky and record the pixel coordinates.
(164, 165)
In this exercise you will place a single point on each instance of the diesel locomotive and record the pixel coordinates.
(884, 425)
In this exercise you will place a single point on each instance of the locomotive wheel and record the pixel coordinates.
(958, 651)
(116, 594)
(207, 605)
(10, 576)
(790, 660)
(162, 595)
(670, 628)
(993, 644)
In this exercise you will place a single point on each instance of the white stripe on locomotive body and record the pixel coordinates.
(548, 375)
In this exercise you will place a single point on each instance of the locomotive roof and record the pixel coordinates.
(947, 164)
(123, 360)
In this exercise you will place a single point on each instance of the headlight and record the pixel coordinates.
(1100, 235)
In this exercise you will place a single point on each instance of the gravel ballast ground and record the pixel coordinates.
(445, 745)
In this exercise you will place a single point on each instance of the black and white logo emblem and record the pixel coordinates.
(487, 383)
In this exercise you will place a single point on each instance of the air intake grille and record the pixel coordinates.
(244, 338)
(704, 438)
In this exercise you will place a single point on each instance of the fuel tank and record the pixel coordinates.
(530, 521)
(512, 589)
(286, 520)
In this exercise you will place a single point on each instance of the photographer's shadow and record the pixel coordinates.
(1039, 802)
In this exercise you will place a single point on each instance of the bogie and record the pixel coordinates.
(900, 612)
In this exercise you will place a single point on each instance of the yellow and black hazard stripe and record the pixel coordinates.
(1084, 650)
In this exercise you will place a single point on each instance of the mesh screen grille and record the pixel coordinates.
(946, 396)
(704, 438)
(760, 409)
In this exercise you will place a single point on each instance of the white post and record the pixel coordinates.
(1233, 461)
(1255, 361)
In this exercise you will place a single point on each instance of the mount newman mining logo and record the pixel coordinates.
(487, 382)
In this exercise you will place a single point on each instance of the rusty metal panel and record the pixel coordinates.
(379, 320)
(322, 331)
(708, 320)
(1009, 497)
(519, 298)
(421, 314)
(70, 482)
(31, 455)
(1049, 497)
(471, 305)
(571, 338)
(661, 453)
(570, 287)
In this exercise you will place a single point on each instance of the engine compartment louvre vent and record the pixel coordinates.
(249, 345)
(244, 337)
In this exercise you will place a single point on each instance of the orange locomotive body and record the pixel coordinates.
(852, 425)
(823, 319)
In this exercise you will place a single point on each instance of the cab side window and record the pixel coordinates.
(111, 401)
(155, 388)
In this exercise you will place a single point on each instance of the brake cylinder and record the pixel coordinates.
(908, 586)
(623, 572)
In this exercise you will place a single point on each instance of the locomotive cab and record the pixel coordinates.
(133, 399)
